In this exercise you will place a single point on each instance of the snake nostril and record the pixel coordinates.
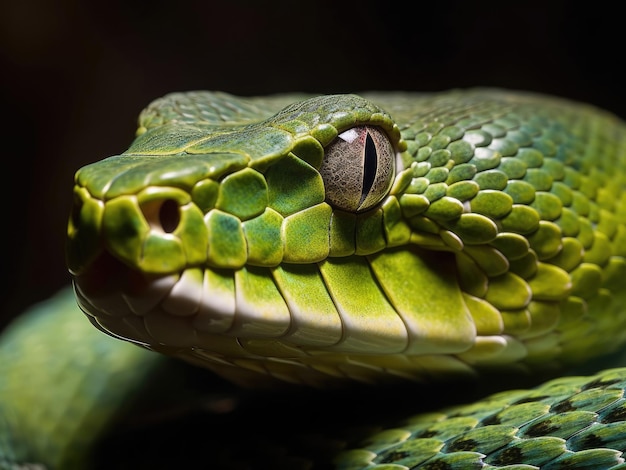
(169, 215)
(162, 215)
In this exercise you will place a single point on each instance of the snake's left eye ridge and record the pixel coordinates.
(358, 168)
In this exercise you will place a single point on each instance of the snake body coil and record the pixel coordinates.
(383, 238)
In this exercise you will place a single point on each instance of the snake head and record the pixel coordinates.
(186, 194)
(316, 239)
(197, 214)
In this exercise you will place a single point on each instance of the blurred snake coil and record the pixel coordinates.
(390, 252)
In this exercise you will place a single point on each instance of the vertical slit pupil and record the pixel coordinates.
(370, 165)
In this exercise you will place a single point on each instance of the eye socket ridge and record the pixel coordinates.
(358, 168)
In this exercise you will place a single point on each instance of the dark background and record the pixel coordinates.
(75, 74)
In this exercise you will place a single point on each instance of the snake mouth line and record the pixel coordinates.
(309, 305)
(284, 314)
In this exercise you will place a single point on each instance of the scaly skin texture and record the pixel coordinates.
(383, 239)
(60, 390)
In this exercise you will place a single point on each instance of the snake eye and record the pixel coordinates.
(358, 168)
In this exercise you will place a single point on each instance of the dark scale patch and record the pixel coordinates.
(510, 456)
(394, 456)
(544, 428)
(562, 407)
(490, 420)
(463, 444)
(591, 441)
(528, 400)
(599, 383)
(438, 465)
(618, 414)
(427, 434)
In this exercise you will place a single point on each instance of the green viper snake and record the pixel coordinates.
(397, 254)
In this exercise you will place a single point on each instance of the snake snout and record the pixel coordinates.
(157, 231)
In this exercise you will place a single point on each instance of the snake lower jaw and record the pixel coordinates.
(216, 319)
